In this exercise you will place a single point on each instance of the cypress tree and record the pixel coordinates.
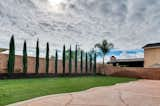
(56, 62)
(64, 59)
(47, 58)
(81, 61)
(76, 59)
(11, 59)
(25, 65)
(86, 62)
(37, 57)
(95, 63)
(70, 60)
(90, 63)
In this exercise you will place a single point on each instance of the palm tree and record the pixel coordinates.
(105, 47)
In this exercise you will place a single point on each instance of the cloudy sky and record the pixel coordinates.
(128, 24)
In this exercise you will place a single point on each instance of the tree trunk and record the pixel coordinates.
(103, 66)
(103, 60)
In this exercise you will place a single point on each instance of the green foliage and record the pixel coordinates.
(95, 63)
(90, 61)
(81, 61)
(76, 53)
(56, 62)
(25, 65)
(47, 58)
(11, 59)
(64, 59)
(70, 60)
(37, 58)
(73, 54)
(86, 62)
(104, 47)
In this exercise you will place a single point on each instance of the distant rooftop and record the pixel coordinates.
(128, 60)
(152, 45)
(3, 49)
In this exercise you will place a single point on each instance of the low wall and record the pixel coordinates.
(145, 73)
(135, 72)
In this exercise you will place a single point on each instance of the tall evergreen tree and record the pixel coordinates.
(81, 61)
(37, 58)
(56, 63)
(25, 64)
(76, 59)
(64, 59)
(86, 62)
(70, 60)
(90, 61)
(47, 58)
(11, 59)
(95, 64)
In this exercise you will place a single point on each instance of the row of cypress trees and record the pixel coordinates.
(91, 68)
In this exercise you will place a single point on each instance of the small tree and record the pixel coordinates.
(37, 58)
(86, 62)
(25, 57)
(56, 62)
(90, 61)
(104, 48)
(70, 60)
(47, 58)
(64, 59)
(81, 61)
(76, 59)
(95, 64)
(11, 59)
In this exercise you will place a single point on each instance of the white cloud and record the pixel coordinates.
(129, 24)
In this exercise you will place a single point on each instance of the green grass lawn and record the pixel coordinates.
(12, 91)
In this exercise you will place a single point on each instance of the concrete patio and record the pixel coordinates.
(136, 93)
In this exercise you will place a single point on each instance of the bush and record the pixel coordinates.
(70, 60)
(95, 62)
(76, 59)
(11, 59)
(37, 58)
(64, 59)
(56, 62)
(81, 61)
(25, 65)
(90, 61)
(47, 58)
(86, 63)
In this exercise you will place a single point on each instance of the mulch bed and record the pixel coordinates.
(22, 75)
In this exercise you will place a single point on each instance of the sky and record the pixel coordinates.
(128, 24)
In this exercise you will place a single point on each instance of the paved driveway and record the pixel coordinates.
(137, 93)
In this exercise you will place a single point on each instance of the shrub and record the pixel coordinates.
(81, 61)
(11, 59)
(86, 62)
(64, 59)
(76, 59)
(37, 58)
(90, 61)
(94, 67)
(70, 60)
(25, 65)
(47, 58)
(56, 62)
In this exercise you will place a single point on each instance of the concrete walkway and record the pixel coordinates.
(137, 93)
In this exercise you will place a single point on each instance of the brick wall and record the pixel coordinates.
(31, 65)
(147, 73)
(135, 72)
